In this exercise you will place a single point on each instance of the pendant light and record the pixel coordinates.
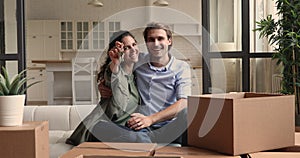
(95, 3)
(161, 3)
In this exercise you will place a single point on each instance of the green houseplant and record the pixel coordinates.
(284, 34)
(12, 98)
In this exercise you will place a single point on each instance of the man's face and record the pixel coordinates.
(158, 43)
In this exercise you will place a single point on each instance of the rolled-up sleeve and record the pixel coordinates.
(119, 86)
(184, 82)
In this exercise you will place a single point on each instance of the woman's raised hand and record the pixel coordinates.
(116, 52)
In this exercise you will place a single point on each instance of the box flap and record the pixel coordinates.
(101, 156)
(232, 95)
(26, 126)
(143, 147)
(111, 149)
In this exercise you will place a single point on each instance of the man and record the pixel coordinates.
(164, 83)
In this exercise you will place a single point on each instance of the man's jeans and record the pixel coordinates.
(170, 133)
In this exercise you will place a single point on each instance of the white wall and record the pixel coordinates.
(79, 10)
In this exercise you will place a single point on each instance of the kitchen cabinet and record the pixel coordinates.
(82, 37)
(86, 35)
(98, 36)
(42, 43)
(66, 36)
(42, 40)
(38, 92)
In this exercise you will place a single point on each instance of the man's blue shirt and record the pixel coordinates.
(163, 86)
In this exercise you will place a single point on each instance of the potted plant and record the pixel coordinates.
(284, 34)
(12, 98)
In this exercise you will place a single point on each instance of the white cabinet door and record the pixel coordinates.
(35, 47)
(34, 27)
(51, 50)
(37, 92)
(66, 38)
(42, 40)
(51, 39)
(51, 27)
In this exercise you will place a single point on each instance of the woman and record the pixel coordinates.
(117, 72)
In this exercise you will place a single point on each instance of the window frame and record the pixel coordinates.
(245, 55)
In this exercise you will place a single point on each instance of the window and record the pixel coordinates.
(82, 35)
(231, 47)
(12, 42)
(66, 35)
(98, 35)
(113, 27)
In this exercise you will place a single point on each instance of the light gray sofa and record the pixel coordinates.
(63, 119)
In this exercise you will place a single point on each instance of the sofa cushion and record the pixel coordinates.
(58, 136)
(57, 143)
(60, 117)
(78, 113)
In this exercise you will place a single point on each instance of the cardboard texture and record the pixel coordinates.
(111, 149)
(189, 152)
(275, 155)
(294, 148)
(95, 156)
(240, 123)
(30, 140)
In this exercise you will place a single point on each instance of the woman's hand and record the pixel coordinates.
(116, 52)
(115, 55)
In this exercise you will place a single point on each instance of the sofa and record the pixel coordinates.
(63, 119)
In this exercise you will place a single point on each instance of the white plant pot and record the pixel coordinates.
(11, 110)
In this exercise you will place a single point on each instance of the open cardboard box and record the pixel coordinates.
(111, 149)
(240, 123)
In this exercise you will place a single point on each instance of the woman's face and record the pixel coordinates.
(131, 51)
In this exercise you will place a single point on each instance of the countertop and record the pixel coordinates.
(50, 61)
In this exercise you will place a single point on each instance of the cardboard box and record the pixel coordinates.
(111, 149)
(294, 148)
(28, 140)
(189, 152)
(240, 123)
(275, 155)
(95, 156)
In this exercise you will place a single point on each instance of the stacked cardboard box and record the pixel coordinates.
(28, 140)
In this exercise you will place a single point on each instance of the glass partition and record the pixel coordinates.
(10, 25)
(265, 75)
(259, 9)
(225, 25)
(226, 75)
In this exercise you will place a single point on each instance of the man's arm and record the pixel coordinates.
(105, 92)
(139, 121)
